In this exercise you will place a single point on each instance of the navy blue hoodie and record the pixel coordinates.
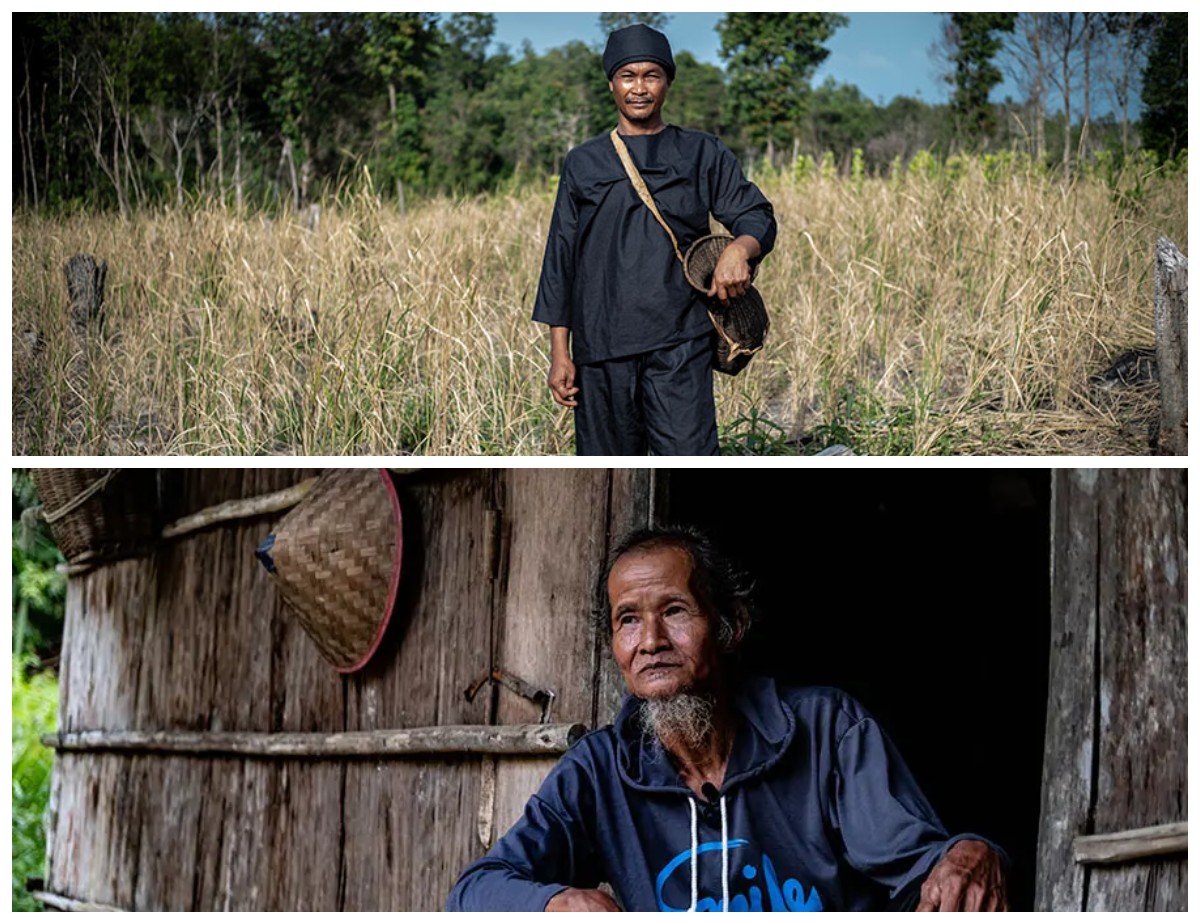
(820, 813)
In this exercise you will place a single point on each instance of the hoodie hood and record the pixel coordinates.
(765, 731)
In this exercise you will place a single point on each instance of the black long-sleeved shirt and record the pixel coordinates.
(610, 274)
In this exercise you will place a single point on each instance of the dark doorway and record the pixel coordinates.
(925, 595)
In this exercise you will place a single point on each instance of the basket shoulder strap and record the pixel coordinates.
(640, 185)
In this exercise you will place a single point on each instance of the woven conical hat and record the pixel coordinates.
(336, 561)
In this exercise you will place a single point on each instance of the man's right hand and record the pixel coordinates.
(562, 380)
(582, 900)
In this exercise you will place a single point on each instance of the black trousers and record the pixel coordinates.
(658, 403)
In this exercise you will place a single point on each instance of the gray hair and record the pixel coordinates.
(723, 587)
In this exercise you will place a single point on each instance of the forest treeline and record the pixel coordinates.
(121, 110)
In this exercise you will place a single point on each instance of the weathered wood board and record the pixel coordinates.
(421, 812)
(555, 535)
(1142, 767)
(1116, 756)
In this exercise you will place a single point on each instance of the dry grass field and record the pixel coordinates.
(924, 314)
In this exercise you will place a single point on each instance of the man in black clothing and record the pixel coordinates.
(630, 342)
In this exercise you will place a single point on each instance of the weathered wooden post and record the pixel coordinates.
(1114, 782)
(1170, 332)
(85, 318)
(85, 292)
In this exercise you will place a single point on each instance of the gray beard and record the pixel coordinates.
(686, 717)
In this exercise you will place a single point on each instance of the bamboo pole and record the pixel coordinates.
(1135, 844)
(399, 743)
(63, 903)
(240, 509)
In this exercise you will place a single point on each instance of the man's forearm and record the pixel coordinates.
(750, 245)
(560, 342)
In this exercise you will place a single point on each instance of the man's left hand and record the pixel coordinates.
(731, 277)
(970, 877)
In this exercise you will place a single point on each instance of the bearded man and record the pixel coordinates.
(631, 343)
(716, 790)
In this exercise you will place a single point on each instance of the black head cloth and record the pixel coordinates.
(638, 43)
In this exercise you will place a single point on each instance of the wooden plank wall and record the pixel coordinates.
(409, 822)
(1116, 734)
(195, 638)
(1142, 767)
(191, 638)
(545, 635)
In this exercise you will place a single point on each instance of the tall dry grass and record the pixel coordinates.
(921, 314)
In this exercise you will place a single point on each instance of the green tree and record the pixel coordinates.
(1164, 88)
(1130, 34)
(771, 59)
(974, 40)
(398, 50)
(461, 124)
(463, 50)
(322, 98)
(697, 95)
(550, 103)
(841, 119)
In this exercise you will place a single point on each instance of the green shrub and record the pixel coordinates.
(34, 707)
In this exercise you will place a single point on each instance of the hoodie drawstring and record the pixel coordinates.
(724, 859)
(695, 845)
(696, 852)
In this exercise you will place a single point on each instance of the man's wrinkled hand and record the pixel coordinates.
(562, 381)
(731, 278)
(970, 877)
(582, 900)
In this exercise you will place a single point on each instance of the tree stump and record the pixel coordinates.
(1170, 330)
(85, 293)
(85, 318)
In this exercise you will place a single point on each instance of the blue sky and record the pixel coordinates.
(884, 54)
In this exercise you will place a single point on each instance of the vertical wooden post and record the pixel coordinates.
(85, 318)
(85, 292)
(1067, 763)
(1170, 331)
(1115, 756)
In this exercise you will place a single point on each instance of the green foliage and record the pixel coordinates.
(861, 420)
(924, 165)
(39, 591)
(697, 95)
(34, 710)
(1005, 165)
(771, 59)
(267, 110)
(975, 40)
(1130, 179)
(857, 169)
(840, 118)
(1165, 87)
(804, 168)
(754, 434)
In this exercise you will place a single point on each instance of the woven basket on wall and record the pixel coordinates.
(335, 559)
(99, 514)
